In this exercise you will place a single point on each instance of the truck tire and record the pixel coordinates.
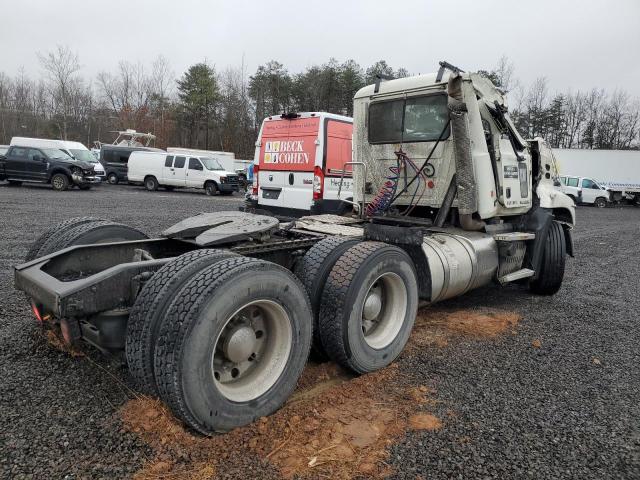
(368, 307)
(313, 270)
(549, 278)
(113, 179)
(60, 182)
(233, 344)
(151, 183)
(150, 306)
(34, 249)
(210, 188)
(600, 202)
(88, 233)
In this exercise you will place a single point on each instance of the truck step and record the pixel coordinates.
(513, 236)
(517, 275)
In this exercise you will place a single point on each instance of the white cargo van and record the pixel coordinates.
(226, 159)
(170, 170)
(299, 159)
(74, 149)
(584, 190)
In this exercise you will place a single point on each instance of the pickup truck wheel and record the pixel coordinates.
(151, 184)
(88, 233)
(210, 188)
(313, 270)
(150, 306)
(549, 278)
(113, 179)
(34, 249)
(60, 182)
(233, 344)
(600, 202)
(368, 307)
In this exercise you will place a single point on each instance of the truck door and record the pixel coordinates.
(515, 176)
(38, 165)
(176, 174)
(195, 174)
(286, 162)
(591, 190)
(16, 163)
(337, 152)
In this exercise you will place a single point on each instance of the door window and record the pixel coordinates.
(35, 154)
(572, 182)
(19, 152)
(194, 164)
(179, 163)
(169, 161)
(588, 183)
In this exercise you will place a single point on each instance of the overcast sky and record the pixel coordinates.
(575, 44)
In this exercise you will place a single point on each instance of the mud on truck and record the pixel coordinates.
(217, 316)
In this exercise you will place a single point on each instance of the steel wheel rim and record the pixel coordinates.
(383, 310)
(244, 368)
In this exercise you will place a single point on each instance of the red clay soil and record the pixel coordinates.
(334, 426)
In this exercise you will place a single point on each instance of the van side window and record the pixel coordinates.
(179, 163)
(563, 180)
(194, 164)
(572, 182)
(588, 183)
(169, 161)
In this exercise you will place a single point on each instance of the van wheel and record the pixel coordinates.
(60, 182)
(151, 184)
(368, 307)
(113, 179)
(233, 344)
(210, 188)
(152, 303)
(600, 202)
(549, 279)
(313, 271)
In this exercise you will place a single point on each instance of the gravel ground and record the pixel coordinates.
(568, 409)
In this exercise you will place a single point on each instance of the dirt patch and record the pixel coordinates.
(334, 426)
(435, 326)
(54, 340)
(338, 428)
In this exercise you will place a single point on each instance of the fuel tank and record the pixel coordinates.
(459, 261)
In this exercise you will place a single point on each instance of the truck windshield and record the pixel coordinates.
(211, 163)
(84, 155)
(55, 153)
(415, 119)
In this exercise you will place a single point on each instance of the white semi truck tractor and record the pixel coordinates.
(217, 316)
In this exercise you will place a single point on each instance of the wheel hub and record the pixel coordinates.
(372, 305)
(240, 344)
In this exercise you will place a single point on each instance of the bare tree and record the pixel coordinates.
(61, 67)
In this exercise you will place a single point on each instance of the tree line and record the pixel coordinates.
(222, 109)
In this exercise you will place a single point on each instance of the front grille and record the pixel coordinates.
(232, 179)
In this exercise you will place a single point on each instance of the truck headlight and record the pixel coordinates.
(223, 179)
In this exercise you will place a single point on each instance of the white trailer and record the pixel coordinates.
(583, 171)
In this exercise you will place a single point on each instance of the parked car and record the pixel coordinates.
(160, 169)
(46, 165)
(298, 164)
(115, 160)
(74, 149)
(584, 190)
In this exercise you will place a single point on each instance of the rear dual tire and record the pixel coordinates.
(232, 344)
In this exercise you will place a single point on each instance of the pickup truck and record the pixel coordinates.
(46, 165)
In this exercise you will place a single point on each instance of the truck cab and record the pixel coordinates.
(584, 190)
